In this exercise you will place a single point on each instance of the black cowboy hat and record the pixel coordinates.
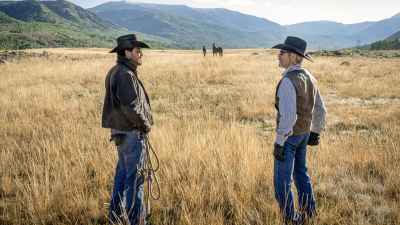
(128, 41)
(296, 45)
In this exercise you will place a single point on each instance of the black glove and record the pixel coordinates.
(313, 139)
(147, 129)
(118, 139)
(279, 152)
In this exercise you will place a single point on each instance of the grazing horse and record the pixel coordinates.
(220, 51)
(214, 49)
(217, 50)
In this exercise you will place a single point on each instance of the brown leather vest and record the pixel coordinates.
(305, 99)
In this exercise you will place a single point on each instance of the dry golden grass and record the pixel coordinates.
(213, 134)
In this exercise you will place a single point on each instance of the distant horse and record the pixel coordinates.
(214, 49)
(220, 51)
(217, 50)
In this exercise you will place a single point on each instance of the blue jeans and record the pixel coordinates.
(127, 200)
(295, 149)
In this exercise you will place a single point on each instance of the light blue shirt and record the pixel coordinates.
(288, 109)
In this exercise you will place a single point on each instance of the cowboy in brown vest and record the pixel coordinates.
(300, 119)
(127, 113)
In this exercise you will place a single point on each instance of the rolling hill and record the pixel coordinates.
(380, 30)
(35, 24)
(60, 23)
(328, 34)
(390, 43)
(338, 35)
(394, 36)
(188, 27)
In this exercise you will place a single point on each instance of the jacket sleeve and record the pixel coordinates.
(131, 106)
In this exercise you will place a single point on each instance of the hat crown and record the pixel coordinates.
(128, 41)
(297, 43)
(128, 37)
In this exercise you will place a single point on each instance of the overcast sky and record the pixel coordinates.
(291, 11)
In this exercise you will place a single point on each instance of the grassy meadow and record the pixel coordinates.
(214, 131)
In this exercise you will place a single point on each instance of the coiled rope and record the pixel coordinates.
(149, 171)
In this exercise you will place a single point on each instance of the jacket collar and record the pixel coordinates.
(126, 62)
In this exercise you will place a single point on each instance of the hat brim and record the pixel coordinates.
(291, 49)
(139, 44)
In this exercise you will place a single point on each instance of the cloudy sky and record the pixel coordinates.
(291, 11)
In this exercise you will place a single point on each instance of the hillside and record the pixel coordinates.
(390, 43)
(380, 30)
(394, 36)
(327, 33)
(189, 27)
(339, 35)
(35, 24)
(59, 23)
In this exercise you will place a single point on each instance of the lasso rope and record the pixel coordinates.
(149, 171)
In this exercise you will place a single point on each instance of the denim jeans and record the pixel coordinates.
(294, 164)
(127, 201)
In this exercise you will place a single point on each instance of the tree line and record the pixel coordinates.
(386, 45)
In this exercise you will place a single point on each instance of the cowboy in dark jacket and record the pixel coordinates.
(127, 113)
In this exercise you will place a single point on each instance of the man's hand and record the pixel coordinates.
(313, 139)
(146, 129)
(118, 139)
(279, 152)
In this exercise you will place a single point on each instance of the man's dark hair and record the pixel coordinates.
(122, 52)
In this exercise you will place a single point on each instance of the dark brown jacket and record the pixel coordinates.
(126, 103)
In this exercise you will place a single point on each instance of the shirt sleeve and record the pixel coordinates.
(319, 114)
(287, 111)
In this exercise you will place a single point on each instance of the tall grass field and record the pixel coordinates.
(213, 133)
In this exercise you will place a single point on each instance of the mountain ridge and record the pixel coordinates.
(56, 11)
(394, 36)
(190, 27)
(59, 23)
(173, 26)
(180, 24)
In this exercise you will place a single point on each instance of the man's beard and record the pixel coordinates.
(137, 62)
